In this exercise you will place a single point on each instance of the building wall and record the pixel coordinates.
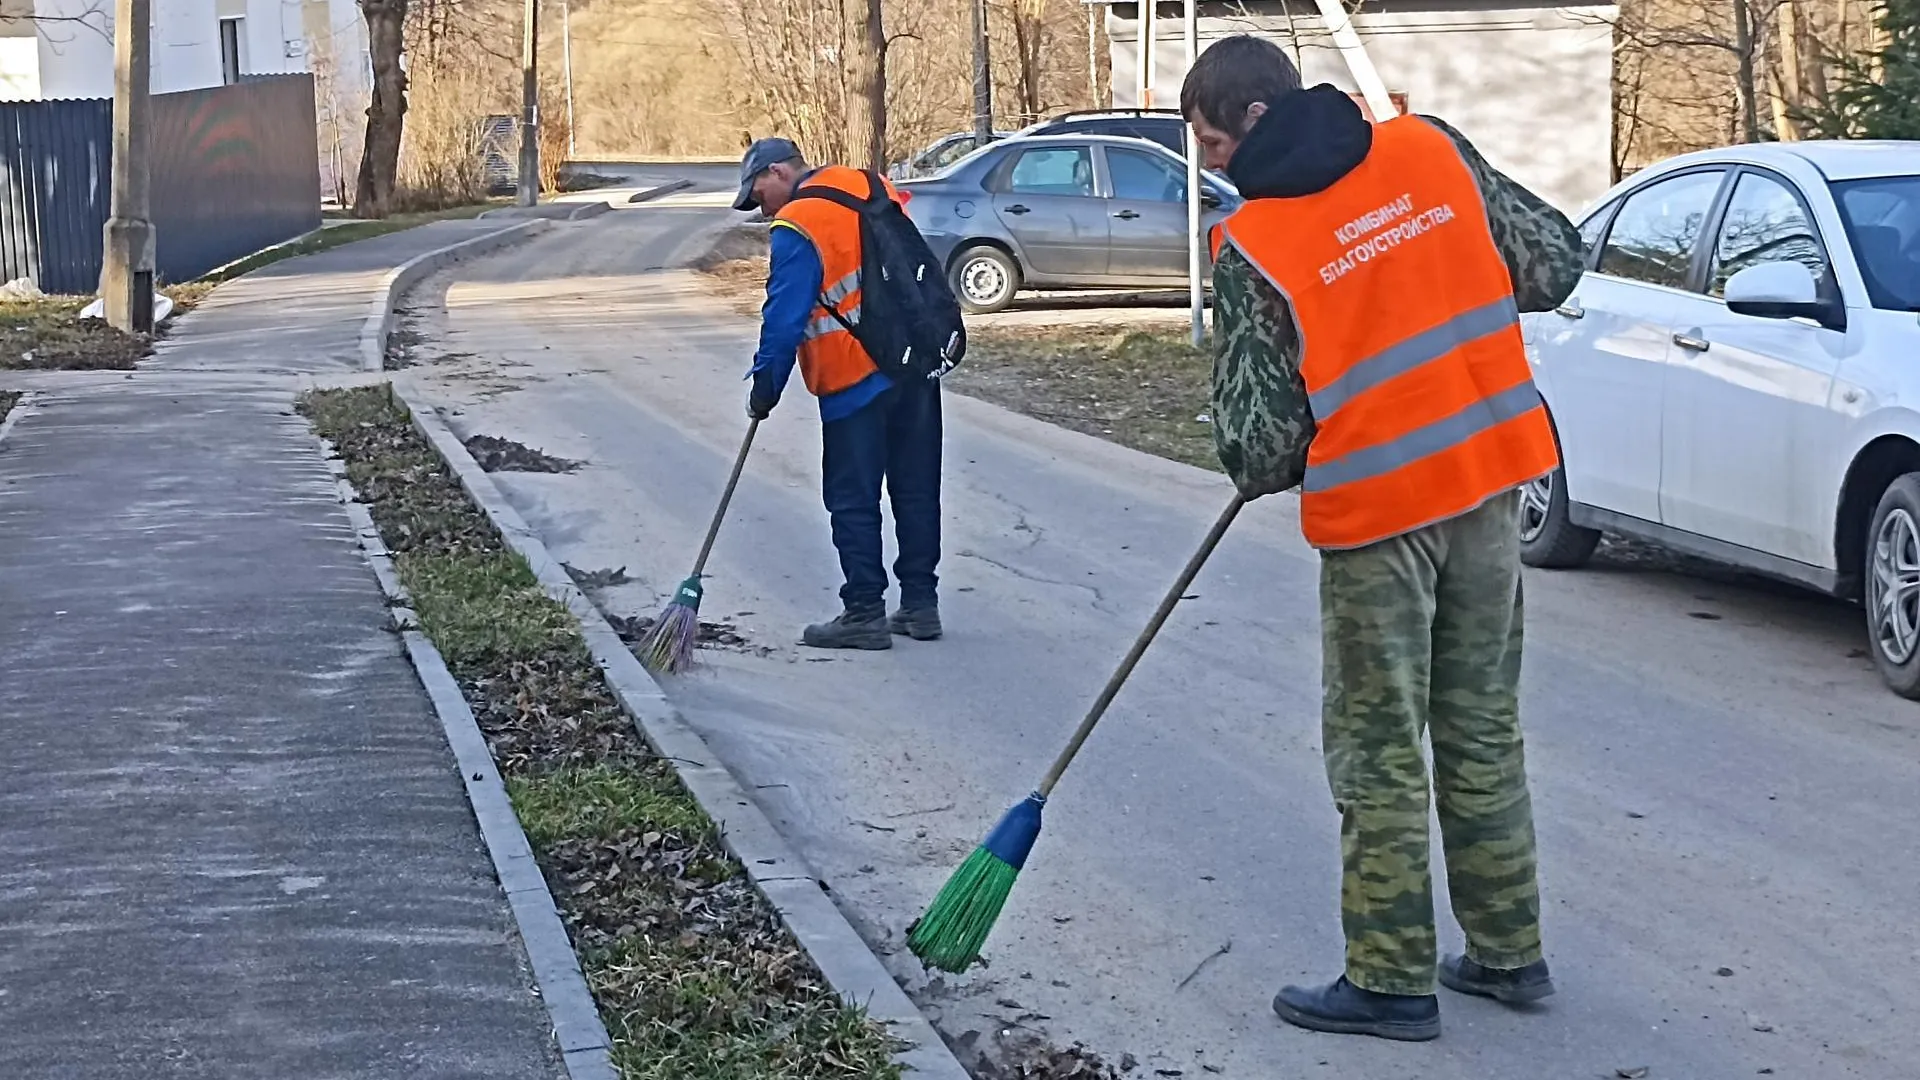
(1530, 85)
(75, 44)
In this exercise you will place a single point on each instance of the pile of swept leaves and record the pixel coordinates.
(694, 975)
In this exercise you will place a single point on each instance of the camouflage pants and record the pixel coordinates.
(1422, 635)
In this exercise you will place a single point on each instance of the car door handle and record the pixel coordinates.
(1017, 208)
(1127, 215)
(1691, 343)
(1571, 310)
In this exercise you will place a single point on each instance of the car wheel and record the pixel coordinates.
(1892, 594)
(1548, 537)
(985, 279)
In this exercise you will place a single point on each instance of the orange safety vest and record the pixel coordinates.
(830, 359)
(1410, 341)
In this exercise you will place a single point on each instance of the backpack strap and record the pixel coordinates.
(878, 190)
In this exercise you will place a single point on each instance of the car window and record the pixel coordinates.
(1653, 235)
(1765, 223)
(1145, 177)
(950, 152)
(1882, 216)
(1591, 229)
(1053, 170)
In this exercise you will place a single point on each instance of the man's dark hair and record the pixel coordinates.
(1232, 74)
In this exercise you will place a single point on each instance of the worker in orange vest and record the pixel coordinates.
(1366, 303)
(874, 431)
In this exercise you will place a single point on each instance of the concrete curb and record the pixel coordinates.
(20, 409)
(584, 1045)
(379, 323)
(656, 192)
(785, 879)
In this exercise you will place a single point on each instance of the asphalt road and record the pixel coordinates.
(1721, 782)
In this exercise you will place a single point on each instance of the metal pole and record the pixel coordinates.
(1195, 295)
(1147, 13)
(982, 76)
(126, 265)
(530, 107)
(566, 65)
(1348, 42)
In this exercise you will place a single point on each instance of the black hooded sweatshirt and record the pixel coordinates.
(1301, 146)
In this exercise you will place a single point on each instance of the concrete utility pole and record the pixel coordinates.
(1147, 17)
(566, 66)
(530, 108)
(982, 76)
(1195, 294)
(126, 268)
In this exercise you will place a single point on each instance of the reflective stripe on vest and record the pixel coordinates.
(831, 360)
(1422, 396)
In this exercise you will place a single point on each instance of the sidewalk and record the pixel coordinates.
(233, 843)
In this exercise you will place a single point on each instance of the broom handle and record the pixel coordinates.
(713, 530)
(1167, 603)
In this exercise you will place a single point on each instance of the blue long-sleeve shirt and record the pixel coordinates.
(795, 277)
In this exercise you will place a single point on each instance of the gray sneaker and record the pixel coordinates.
(920, 624)
(852, 630)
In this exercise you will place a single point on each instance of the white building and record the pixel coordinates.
(51, 49)
(1529, 83)
(64, 48)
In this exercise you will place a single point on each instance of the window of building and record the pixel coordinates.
(232, 33)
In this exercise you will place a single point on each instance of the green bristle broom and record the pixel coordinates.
(668, 645)
(956, 924)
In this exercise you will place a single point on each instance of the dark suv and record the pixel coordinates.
(1163, 126)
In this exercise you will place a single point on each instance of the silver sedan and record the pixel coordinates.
(1062, 212)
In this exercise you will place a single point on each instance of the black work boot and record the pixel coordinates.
(918, 623)
(1515, 986)
(856, 628)
(1345, 1009)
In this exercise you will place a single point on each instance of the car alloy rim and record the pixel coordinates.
(983, 280)
(1893, 585)
(1535, 499)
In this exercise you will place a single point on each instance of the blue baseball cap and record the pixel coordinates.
(762, 155)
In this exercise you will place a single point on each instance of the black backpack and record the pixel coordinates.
(909, 322)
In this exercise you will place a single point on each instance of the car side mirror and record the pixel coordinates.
(1777, 290)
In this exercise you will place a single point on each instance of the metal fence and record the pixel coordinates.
(234, 169)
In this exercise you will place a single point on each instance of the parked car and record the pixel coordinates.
(941, 153)
(1062, 211)
(1737, 376)
(1163, 126)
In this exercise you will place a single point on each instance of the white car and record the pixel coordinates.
(1737, 376)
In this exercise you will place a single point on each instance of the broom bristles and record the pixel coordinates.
(962, 916)
(668, 645)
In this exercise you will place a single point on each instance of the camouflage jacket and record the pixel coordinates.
(1261, 422)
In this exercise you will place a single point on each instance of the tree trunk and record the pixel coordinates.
(868, 102)
(386, 112)
(1027, 31)
(1745, 87)
(1789, 85)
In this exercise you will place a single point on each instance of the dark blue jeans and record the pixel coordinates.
(896, 439)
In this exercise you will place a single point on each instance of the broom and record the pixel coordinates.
(668, 645)
(958, 921)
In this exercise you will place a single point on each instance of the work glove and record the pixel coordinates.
(758, 408)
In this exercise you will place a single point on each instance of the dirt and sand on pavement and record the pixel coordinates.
(1723, 793)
